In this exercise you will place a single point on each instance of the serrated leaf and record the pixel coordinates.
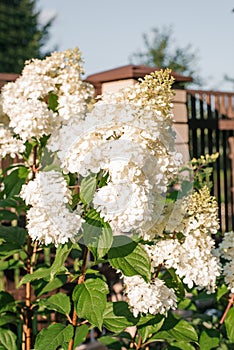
(80, 335)
(229, 322)
(59, 302)
(9, 202)
(175, 282)
(7, 302)
(111, 342)
(117, 317)
(8, 249)
(62, 253)
(90, 300)
(97, 234)
(180, 345)
(178, 330)
(221, 291)
(54, 336)
(12, 234)
(56, 268)
(13, 182)
(7, 339)
(41, 273)
(88, 188)
(209, 339)
(8, 318)
(42, 287)
(7, 215)
(10, 264)
(152, 324)
(129, 257)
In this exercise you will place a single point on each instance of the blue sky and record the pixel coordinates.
(109, 31)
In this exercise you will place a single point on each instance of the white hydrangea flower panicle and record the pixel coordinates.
(57, 78)
(197, 265)
(192, 255)
(131, 140)
(9, 145)
(153, 297)
(165, 252)
(228, 272)
(49, 220)
(226, 247)
(226, 251)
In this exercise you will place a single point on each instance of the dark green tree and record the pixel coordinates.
(21, 35)
(160, 51)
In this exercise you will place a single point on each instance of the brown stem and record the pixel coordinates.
(28, 294)
(80, 281)
(31, 258)
(139, 343)
(230, 303)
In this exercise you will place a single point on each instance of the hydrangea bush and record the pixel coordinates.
(102, 188)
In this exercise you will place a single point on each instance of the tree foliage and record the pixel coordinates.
(21, 35)
(160, 51)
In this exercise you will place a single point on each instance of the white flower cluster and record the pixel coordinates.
(9, 144)
(192, 256)
(130, 140)
(27, 101)
(154, 297)
(49, 219)
(226, 251)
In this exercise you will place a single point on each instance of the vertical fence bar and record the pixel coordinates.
(205, 111)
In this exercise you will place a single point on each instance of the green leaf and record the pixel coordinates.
(10, 264)
(229, 322)
(57, 267)
(173, 281)
(88, 188)
(7, 215)
(90, 300)
(8, 202)
(209, 339)
(42, 287)
(184, 331)
(7, 302)
(7, 339)
(221, 291)
(14, 181)
(117, 317)
(52, 101)
(8, 249)
(41, 273)
(97, 234)
(80, 335)
(8, 318)
(180, 345)
(129, 257)
(59, 302)
(181, 331)
(111, 343)
(54, 336)
(62, 253)
(12, 234)
(152, 324)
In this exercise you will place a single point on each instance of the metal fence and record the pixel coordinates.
(211, 130)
